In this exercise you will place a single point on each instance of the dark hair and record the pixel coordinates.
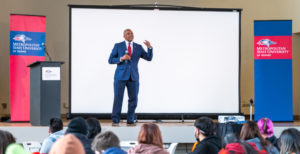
(289, 141)
(55, 125)
(250, 130)
(150, 134)
(230, 138)
(205, 125)
(94, 127)
(104, 141)
(6, 138)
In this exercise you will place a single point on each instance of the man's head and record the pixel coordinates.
(55, 125)
(204, 126)
(104, 141)
(128, 35)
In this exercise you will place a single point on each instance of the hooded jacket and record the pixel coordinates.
(238, 148)
(48, 142)
(270, 148)
(209, 145)
(147, 149)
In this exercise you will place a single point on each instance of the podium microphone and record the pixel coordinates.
(44, 45)
(251, 105)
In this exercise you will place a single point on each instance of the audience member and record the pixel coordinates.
(149, 141)
(94, 128)
(6, 138)
(232, 144)
(78, 128)
(107, 143)
(250, 132)
(289, 141)
(55, 132)
(15, 148)
(209, 143)
(67, 144)
(265, 126)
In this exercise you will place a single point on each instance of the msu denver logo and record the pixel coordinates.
(48, 71)
(22, 38)
(265, 42)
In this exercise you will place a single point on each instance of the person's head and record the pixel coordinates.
(67, 144)
(232, 143)
(230, 138)
(104, 141)
(289, 141)
(204, 126)
(128, 35)
(6, 138)
(250, 130)
(265, 126)
(77, 125)
(55, 125)
(94, 127)
(150, 134)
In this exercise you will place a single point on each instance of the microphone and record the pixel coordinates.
(44, 45)
(126, 53)
(251, 104)
(251, 101)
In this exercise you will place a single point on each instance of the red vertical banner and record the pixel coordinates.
(27, 36)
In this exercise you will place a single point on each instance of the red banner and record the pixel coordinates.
(27, 35)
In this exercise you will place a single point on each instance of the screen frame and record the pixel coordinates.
(151, 115)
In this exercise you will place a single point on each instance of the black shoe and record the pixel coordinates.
(115, 124)
(131, 123)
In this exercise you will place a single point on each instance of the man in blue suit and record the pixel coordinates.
(126, 55)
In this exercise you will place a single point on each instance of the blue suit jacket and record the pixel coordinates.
(130, 68)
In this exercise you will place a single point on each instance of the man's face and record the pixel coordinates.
(128, 35)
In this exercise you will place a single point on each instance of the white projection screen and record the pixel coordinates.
(194, 70)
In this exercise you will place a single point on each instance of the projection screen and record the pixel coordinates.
(195, 65)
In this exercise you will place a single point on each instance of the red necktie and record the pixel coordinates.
(129, 49)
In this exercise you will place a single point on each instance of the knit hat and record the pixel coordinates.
(77, 125)
(68, 144)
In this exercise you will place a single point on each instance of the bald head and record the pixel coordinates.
(128, 35)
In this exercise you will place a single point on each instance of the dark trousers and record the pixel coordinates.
(132, 89)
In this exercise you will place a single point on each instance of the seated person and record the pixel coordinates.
(289, 141)
(55, 132)
(107, 143)
(94, 128)
(68, 144)
(6, 138)
(265, 126)
(250, 133)
(79, 128)
(209, 143)
(149, 141)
